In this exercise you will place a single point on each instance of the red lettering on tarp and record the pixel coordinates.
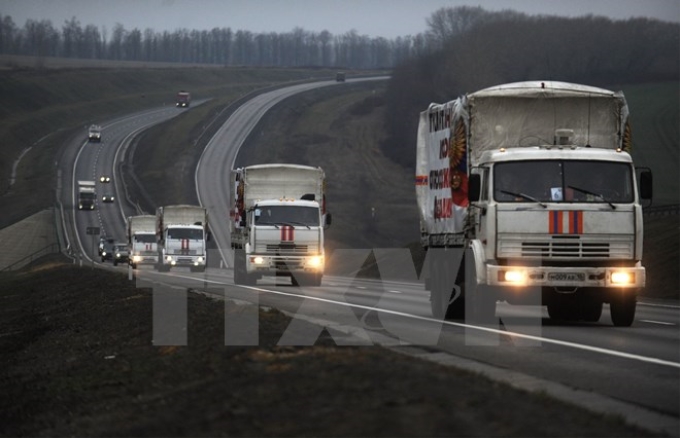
(443, 208)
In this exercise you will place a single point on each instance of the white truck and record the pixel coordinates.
(86, 195)
(533, 185)
(141, 236)
(182, 235)
(277, 223)
(94, 134)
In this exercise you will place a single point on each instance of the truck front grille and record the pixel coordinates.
(566, 247)
(287, 249)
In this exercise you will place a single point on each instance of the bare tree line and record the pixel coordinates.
(474, 49)
(220, 46)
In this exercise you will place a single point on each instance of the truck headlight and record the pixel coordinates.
(199, 260)
(315, 262)
(514, 276)
(257, 260)
(623, 277)
(168, 258)
(137, 258)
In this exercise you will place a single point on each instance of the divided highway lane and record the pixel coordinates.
(213, 172)
(90, 161)
(632, 371)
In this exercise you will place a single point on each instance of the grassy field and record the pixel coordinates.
(42, 109)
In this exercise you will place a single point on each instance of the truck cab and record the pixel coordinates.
(286, 238)
(565, 222)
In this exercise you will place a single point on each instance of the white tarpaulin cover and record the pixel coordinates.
(452, 136)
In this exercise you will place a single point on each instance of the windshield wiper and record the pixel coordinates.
(524, 196)
(598, 195)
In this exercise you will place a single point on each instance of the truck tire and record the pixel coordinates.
(446, 297)
(241, 276)
(622, 309)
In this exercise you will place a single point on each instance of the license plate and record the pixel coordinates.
(566, 276)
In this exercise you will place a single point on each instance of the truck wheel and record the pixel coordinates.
(446, 297)
(622, 309)
(241, 276)
(115, 262)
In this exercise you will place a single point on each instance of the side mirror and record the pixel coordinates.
(646, 184)
(474, 187)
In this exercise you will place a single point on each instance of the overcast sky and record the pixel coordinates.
(385, 18)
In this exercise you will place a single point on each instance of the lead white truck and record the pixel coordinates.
(527, 193)
(141, 235)
(277, 223)
(182, 235)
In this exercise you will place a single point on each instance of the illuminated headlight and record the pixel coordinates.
(622, 277)
(80, 205)
(103, 253)
(137, 258)
(315, 262)
(117, 255)
(168, 258)
(517, 277)
(257, 260)
(199, 260)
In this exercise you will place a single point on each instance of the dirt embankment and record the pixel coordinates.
(78, 360)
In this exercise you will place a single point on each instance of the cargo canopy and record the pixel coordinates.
(543, 113)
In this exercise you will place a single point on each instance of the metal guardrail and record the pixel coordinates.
(662, 210)
(49, 249)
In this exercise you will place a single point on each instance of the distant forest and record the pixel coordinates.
(464, 49)
(220, 46)
(475, 49)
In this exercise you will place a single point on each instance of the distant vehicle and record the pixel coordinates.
(105, 179)
(106, 249)
(278, 223)
(94, 134)
(141, 235)
(107, 198)
(182, 232)
(86, 195)
(121, 253)
(183, 99)
(340, 76)
(105, 242)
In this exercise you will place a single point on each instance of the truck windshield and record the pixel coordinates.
(563, 181)
(287, 215)
(185, 233)
(145, 238)
(87, 196)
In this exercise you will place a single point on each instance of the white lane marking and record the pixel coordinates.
(360, 287)
(394, 291)
(666, 306)
(656, 322)
(558, 342)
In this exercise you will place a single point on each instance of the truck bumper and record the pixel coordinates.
(284, 265)
(174, 260)
(567, 277)
(140, 259)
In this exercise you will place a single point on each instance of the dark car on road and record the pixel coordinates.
(106, 249)
(121, 254)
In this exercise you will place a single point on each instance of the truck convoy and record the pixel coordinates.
(141, 237)
(278, 222)
(183, 99)
(182, 233)
(533, 185)
(86, 195)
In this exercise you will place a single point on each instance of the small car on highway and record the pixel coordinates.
(107, 198)
(104, 179)
(121, 254)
